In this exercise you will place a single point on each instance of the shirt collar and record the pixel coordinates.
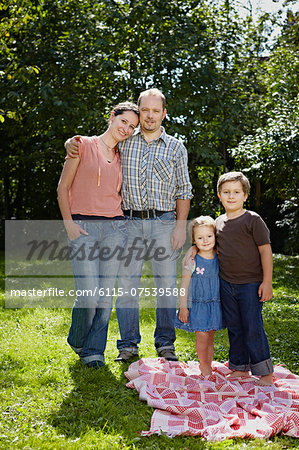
(163, 135)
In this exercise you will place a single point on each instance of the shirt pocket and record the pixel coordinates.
(163, 169)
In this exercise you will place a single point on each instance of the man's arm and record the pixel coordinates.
(72, 146)
(183, 196)
(178, 236)
(265, 289)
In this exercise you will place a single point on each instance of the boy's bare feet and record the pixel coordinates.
(238, 374)
(266, 380)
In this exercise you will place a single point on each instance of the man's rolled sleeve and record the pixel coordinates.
(183, 185)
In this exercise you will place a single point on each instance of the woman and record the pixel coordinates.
(90, 204)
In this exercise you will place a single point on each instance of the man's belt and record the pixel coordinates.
(145, 214)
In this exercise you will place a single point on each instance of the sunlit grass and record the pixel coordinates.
(50, 401)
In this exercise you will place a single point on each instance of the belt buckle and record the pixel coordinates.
(145, 214)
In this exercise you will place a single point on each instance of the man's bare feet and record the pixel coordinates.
(266, 380)
(206, 370)
(238, 374)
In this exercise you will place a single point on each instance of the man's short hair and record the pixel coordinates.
(234, 176)
(153, 91)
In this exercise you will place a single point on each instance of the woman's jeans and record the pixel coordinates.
(242, 314)
(95, 261)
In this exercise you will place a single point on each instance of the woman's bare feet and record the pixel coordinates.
(266, 380)
(238, 374)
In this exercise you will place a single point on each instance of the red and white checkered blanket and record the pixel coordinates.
(215, 407)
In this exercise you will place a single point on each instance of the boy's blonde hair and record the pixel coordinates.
(234, 176)
(153, 91)
(200, 222)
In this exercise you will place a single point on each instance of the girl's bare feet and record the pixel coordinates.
(238, 374)
(266, 380)
(205, 370)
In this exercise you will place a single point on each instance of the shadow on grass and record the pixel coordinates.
(99, 400)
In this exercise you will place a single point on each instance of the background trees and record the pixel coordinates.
(64, 63)
(270, 154)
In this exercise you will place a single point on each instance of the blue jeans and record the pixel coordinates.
(242, 314)
(95, 263)
(153, 235)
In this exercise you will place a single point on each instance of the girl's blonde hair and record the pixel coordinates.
(200, 222)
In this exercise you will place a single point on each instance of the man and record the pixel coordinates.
(155, 183)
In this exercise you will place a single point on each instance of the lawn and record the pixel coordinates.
(50, 401)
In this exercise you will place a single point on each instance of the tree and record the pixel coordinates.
(52, 86)
(66, 62)
(270, 155)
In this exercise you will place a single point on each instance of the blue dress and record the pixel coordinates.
(203, 297)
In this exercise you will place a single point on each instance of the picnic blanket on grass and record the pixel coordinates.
(215, 407)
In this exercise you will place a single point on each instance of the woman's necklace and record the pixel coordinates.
(109, 151)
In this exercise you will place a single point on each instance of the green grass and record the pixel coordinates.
(50, 401)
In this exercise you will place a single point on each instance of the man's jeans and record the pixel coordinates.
(242, 314)
(95, 270)
(153, 235)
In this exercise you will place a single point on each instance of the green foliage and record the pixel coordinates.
(64, 63)
(270, 155)
(271, 148)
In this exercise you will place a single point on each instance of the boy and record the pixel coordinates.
(245, 259)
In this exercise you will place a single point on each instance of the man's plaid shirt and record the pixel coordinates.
(161, 166)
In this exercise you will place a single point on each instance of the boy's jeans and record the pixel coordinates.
(242, 314)
(94, 275)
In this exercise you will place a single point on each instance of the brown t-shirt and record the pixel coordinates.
(237, 243)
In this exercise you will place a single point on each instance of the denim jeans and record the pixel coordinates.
(153, 235)
(242, 314)
(95, 265)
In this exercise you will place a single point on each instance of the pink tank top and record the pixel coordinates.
(95, 190)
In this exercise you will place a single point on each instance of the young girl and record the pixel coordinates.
(203, 316)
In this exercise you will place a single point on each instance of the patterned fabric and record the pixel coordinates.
(215, 407)
(143, 176)
(155, 174)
